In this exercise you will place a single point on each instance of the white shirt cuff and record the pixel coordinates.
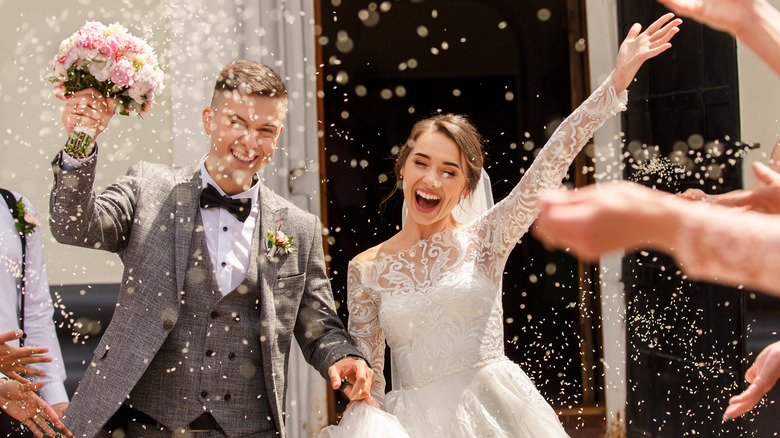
(54, 393)
(69, 163)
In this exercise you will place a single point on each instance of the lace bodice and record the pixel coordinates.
(438, 304)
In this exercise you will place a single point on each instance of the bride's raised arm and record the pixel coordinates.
(517, 211)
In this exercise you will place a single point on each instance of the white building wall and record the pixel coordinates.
(759, 96)
(30, 116)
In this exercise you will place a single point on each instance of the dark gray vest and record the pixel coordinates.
(211, 361)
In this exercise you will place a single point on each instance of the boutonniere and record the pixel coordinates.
(25, 222)
(279, 243)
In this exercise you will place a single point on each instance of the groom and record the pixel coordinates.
(207, 307)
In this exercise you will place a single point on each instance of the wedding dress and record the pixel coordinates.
(438, 307)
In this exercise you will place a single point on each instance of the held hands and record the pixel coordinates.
(359, 379)
(22, 403)
(639, 47)
(88, 108)
(14, 360)
(762, 376)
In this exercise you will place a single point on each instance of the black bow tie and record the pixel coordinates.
(211, 198)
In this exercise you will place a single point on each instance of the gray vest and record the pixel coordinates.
(211, 361)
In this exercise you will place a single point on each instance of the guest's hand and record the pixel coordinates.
(14, 360)
(598, 219)
(726, 15)
(639, 47)
(695, 195)
(88, 108)
(762, 376)
(21, 402)
(764, 197)
(354, 377)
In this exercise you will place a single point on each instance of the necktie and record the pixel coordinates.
(211, 198)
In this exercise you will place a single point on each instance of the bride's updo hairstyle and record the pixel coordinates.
(461, 131)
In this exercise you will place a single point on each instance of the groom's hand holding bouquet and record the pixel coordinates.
(100, 70)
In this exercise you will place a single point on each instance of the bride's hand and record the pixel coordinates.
(639, 47)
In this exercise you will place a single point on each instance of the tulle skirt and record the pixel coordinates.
(496, 400)
(363, 420)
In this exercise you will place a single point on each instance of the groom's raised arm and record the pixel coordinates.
(77, 215)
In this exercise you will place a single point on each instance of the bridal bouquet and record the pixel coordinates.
(111, 60)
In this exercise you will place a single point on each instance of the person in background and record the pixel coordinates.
(27, 317)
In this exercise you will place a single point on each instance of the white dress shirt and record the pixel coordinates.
(38, 308)
(228, 239)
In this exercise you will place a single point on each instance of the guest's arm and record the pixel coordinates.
(709, 242)
(755, 22)
(39, 321)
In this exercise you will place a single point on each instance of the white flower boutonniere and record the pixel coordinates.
(279, 243)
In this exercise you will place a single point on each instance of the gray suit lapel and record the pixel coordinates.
(185, 219)
(270, 214)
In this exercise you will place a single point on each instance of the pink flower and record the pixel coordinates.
(143, 83)
(31, 219)
(282, 238)
(91, 36)
(113, 46)
(59, 91)
(122, 73)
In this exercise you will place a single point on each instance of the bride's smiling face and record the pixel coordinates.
(433, 179)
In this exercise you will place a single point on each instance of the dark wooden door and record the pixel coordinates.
(687, 341)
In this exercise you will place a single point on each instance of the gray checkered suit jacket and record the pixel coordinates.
(147, 217)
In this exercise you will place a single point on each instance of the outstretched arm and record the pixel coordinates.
(640, 46)
(518, 210)
(755, 22)
(709, 242)
(601, 218)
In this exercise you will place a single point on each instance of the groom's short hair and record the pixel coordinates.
(248, 78)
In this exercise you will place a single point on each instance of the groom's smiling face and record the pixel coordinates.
(244, 130)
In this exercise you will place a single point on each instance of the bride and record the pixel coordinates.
(433, 290)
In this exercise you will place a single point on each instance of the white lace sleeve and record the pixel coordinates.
(730, 246)
(509, 220)
(365, 329)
